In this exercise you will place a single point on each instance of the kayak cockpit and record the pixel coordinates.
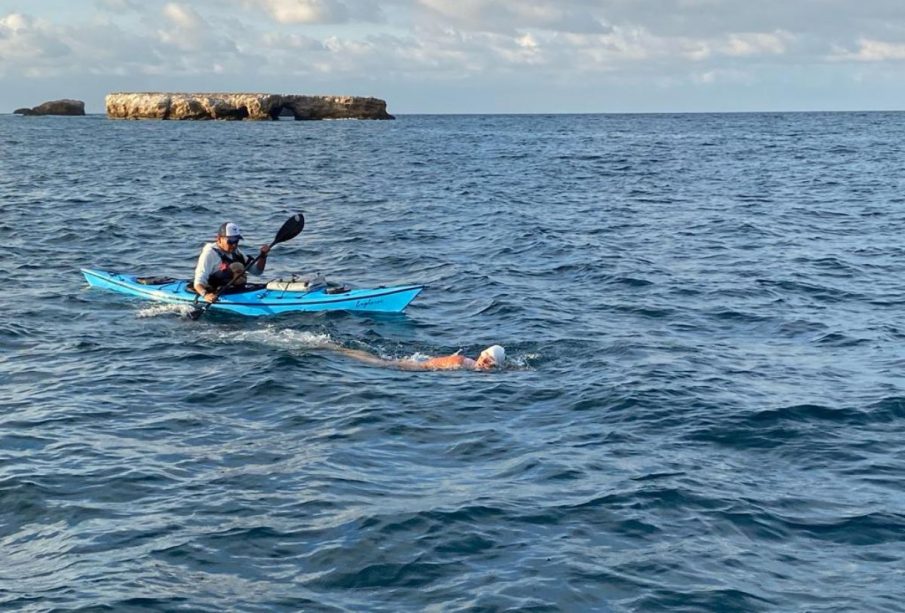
(160, 281)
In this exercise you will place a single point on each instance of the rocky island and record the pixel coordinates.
(55, 107)
(148, 105)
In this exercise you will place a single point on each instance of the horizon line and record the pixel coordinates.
(542, 113)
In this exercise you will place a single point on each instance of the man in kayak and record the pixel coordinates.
(221, 262)
(492, 357)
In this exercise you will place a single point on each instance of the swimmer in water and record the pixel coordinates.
(492, 357)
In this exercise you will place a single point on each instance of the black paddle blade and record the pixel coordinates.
(290, 229)
(196, 313)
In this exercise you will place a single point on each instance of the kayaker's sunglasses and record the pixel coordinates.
(232, 240)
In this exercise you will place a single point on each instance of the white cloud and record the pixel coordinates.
(527, 42)
(188, 39)
(756, 43)
(182, 16)
(730, 76)
(294, 42)
(872, 51)
(314, 12)
(118, 6)
(306, 11)
(32, 45)
(510, 15)
(15, 23)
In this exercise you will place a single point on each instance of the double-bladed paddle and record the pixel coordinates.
(289, 230)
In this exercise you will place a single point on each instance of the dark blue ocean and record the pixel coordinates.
(702, 408)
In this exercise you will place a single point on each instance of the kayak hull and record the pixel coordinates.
(261, 301)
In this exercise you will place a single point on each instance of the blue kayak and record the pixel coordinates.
(255, 300)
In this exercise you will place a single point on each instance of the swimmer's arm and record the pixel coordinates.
(409, 365)
(453, 362)
(368, 358)
(361, 356)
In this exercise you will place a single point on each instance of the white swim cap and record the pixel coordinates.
(496, 353)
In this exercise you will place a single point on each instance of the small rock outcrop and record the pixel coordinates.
(125, 105)
(55, 107)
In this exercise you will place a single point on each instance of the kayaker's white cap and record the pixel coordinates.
(229, 230)
(495, 353)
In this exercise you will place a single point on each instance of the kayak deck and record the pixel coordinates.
(256, 300)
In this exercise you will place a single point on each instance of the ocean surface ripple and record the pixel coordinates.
(702, 408)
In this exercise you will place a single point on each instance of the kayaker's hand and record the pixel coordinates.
(210, 296)
(265, 249)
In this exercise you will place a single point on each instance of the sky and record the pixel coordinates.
(466, 56)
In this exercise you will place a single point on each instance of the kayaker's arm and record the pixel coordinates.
(205, 292)
(207, 263)
(261, 262)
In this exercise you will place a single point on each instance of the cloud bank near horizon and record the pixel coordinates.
(438, 55)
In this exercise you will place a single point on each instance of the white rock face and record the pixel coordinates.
(150, 105)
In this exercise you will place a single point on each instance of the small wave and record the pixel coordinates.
(801, 426)
(819, 292)
(523, 361)
(800, 326)
(736, 315)
(837, 339)
(886, 410)
(627, 281)
(157, 310)
(649, 312)
(273, 336)
(710, 599)
(807, 413)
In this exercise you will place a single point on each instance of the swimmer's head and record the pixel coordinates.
(492, 357)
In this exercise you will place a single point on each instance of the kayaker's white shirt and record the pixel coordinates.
(209, 263)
